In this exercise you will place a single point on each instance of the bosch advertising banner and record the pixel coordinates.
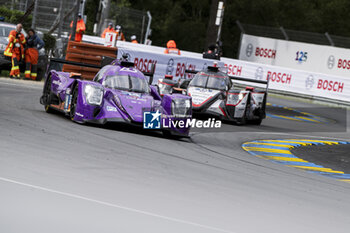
(281, 78)
(331, 81)
(292, 80)
(296, 55)
(174, 65)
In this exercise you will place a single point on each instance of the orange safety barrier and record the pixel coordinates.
(89, 54)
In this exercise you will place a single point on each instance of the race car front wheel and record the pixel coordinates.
(73, 105)
(243, 120)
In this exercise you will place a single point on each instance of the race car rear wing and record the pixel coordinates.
(249, 80)
(266, 82)
(63, 61)
(191, 71)
(105, 61)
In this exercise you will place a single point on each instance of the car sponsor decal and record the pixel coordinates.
(79, 114)
(201, 95)
(278, 151)
(111, 109)
(131, 93)
(56, 82)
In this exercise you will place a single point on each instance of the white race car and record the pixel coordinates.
(213, 93)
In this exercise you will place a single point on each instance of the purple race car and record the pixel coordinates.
(118, 93)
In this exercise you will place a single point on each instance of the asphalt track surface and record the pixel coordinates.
(336, 157)
(59, 176)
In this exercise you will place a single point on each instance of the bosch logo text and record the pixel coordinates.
(279, 77)
(263, 52)
(234, 70)
(181, 68)
(144, 65)
(330, 85)
(344, 64)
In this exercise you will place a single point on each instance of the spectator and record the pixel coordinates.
(80, 29)
(171, 48)
(109, 29)
(34, 44)
(15, 50)
(133, 39)
(120, 34)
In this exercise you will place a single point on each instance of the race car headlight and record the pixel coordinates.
(180, 107)
(93, 94)
(234, 98)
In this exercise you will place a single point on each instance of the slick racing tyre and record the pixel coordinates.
(47, 95)
(243, 120)
(73, 105)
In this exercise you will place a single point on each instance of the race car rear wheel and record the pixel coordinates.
(73, 104)
(46, 95)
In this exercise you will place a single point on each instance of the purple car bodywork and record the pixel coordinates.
(68, 93)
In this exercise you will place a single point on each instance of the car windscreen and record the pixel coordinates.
(5, 31)
(210, 81)
(127, 83)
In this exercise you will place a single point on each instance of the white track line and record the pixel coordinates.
(114, 205)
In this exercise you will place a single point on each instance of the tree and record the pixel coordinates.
(91, 9)
(186, 21)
